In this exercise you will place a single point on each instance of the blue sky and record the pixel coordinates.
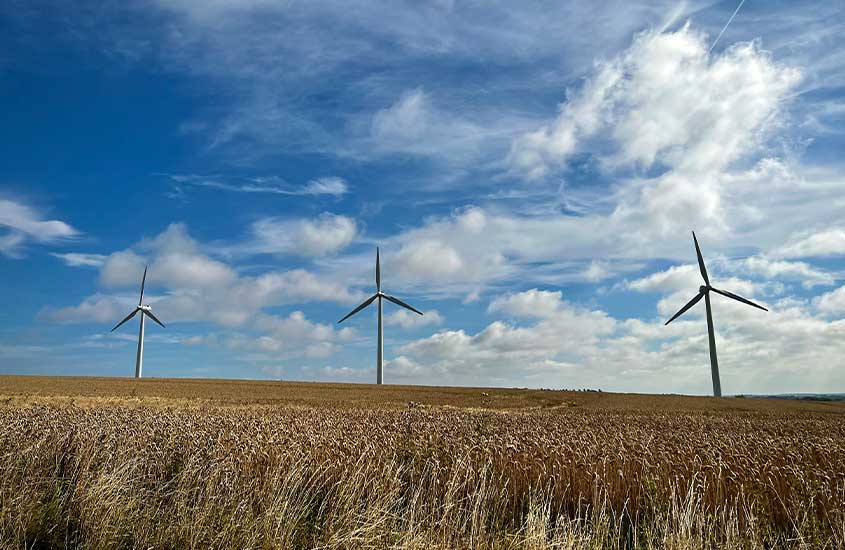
(531, 172)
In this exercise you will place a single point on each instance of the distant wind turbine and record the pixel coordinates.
(379, 295)
(145, 310)
(704, 292)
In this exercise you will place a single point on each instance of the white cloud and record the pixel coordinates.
(503, 344)
(542, 304)
(673, 279)
(596, 272)
(231, 44)
(832, 302)
(405, 120)
(784, 350)
(410, 320)
(665, 100)
(284, 338)
(427, 259)
(122, 268)
(802, 272)
(76, 259)
(326, 186)
(176, 261)
(23, 223)
(197, 287)
(98, 308)
(191, 271)
(294, 328)
(679, 284)
(330, 186)
(326, 234)
(823, 243)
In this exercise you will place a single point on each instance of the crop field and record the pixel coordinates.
(120, 463)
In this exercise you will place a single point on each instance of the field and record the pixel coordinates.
(121, 463)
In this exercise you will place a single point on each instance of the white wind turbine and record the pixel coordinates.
(379, 295)
(145, 310)
(704, 292)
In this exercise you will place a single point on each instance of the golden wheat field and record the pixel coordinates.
(116, 463)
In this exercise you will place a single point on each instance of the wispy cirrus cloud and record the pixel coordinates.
(23, 224)
(328, 186)
(79, 259)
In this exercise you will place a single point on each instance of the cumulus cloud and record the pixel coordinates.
(664, 100)
(832, 302)
(427, 259)
(192, 271)
(679, 284)
(98, 308)
(675, 278)
(822, 243)
(801, 272)
(503, 343)
(122, 268)
(410, 320)
(272, 348)
(173, 259)
(198, 287)
(327, 234)
(294, 336)
(571, 347)
(295, 327)
(542, 304)
(23, 224)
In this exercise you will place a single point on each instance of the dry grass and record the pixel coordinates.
(297, 467)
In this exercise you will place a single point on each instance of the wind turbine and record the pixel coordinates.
(379, 295)
(704, 292)
(145, 310)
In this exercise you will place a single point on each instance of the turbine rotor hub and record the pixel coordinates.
(703, 288)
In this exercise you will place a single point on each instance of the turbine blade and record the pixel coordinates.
(131, 315)
(359, 308)
(378, 271)
(700, 261)
(737, 298)
(154, 318)
(691, 303)
(143, 280)
(401, 303)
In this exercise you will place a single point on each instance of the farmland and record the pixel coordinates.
(119, 463)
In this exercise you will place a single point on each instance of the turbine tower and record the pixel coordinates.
(704, 292)
(145, 311)
(379, 295)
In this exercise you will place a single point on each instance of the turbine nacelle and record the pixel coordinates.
(145, 307)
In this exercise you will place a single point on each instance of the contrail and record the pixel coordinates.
(726, 26)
